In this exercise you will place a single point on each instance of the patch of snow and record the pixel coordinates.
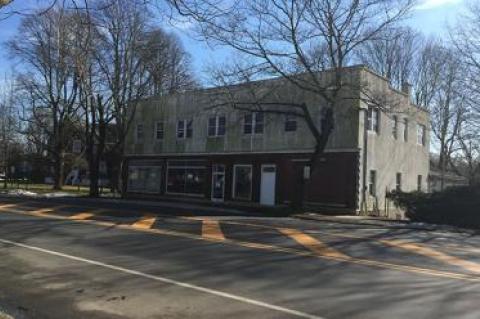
(22, 192)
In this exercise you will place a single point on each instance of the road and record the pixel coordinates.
(77, 259)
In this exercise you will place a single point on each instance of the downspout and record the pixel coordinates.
(364, 168)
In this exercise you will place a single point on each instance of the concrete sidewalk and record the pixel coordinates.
(382, 222)
(144, 204)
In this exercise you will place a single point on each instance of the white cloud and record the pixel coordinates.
(431, 4)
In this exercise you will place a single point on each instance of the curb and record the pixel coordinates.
(386, 224)
(146, 204)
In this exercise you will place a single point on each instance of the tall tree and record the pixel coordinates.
(464, 36)
(392, 54)
(439, 86)
(121, 48)
(50, 80)
(8, 126)
(167, 63)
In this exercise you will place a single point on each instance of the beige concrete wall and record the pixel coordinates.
(389, 156)
(197, 105)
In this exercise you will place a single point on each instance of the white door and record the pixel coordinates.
(267, 189)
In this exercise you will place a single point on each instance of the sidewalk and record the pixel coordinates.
(179, 204)
(381, 222)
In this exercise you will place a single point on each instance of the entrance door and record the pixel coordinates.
(267, 190)
(218, 182)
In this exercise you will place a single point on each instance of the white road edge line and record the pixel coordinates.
(166, 280)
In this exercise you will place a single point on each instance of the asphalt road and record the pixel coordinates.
(77, 259)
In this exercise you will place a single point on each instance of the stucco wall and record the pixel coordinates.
(197, 105)
(389, 156)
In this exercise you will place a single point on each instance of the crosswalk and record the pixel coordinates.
(267, 237)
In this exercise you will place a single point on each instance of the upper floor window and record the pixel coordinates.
(421, 132)
(139, 132)
(184, 128)
(398, 182)
(372, 183)
(290, 123)
(419, 183)
(373, 119)
(405, 130)
(395, 127)
(216, 126)
(159, 131)
(253, 123)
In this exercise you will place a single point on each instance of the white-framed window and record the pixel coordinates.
(184, 129)
(398, 182)
(253, 123)
(139, 132)
(290, 123)
(395, 127)
(373, 119)
(159, 130)
(242, 182)
(405, 130)
(421, 133)
(419, 183)
(217, 126)
(372, 183)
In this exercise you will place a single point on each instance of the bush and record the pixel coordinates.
(458, 206)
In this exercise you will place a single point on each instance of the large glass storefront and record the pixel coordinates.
(144, 179)
(186, 177)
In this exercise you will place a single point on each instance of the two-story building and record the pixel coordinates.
(187, 145)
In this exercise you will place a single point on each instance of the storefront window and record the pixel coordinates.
(243, 182)
(186, 178)
(144, 179)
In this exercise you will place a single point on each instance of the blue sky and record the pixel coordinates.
(430, 17)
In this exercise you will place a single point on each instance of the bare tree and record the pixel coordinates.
(51, 81)
(123, 26)
(295, 40)
(95, 113)
(465, 39)
(392, 54)
(439, 86)
(427, 72)
(8, 126)
(167, 63)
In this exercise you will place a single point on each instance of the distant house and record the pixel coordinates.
(180, 146)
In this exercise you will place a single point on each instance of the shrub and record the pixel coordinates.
(458, 206)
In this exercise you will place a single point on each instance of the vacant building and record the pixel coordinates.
(190, 145)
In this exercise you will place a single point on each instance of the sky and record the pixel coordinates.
(430, 16)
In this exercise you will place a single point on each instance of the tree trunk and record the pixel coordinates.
(94, 170)
(58, 170)
(321, 140)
